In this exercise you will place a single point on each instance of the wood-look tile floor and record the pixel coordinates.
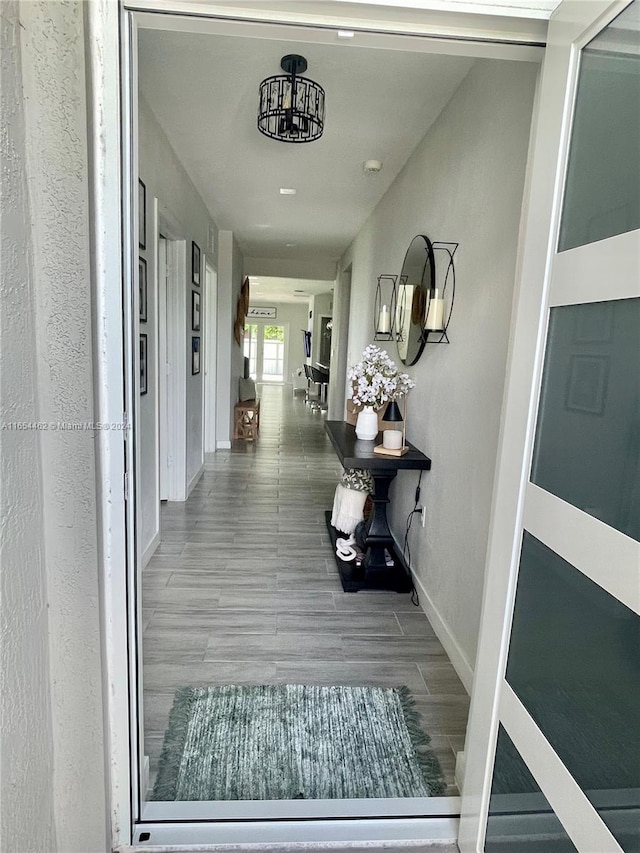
(243, 589)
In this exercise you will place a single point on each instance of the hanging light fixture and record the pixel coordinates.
(291, 107)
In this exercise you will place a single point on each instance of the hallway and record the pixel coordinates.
(243, 589)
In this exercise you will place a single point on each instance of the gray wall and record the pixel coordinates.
(53, 758)
(230, 358)
(463, 183)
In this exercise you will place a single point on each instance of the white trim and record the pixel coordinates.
(603, 554)
(209, 316)
(419, 30)
(192, 482)
(321, 809)
(223, 445)
(176, 354)
(131, 392)
(446, 637)
(156, 327)
(606, 269)
(582, 823)
(425, 830)
(103, 110)
(150, 550)
(164, 433)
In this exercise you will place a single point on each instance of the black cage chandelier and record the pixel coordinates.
(291, 107)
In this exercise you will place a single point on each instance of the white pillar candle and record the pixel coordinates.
(435, 315)
(392, 439)
(383, 320)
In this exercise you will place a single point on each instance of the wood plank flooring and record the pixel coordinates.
(243, 589)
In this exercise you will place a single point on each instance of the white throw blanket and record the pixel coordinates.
(348, 509)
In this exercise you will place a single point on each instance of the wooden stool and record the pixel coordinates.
(246, 420)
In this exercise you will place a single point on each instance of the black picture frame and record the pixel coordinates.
(143, 365)
(142, 289)
(195, 263)
(195, 311)
(195, 356)
(142, 215)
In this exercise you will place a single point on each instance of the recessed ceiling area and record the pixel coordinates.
(295, 291)
(203, 89)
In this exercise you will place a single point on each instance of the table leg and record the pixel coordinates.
(379, 536)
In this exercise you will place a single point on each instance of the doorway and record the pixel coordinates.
(211, 350)
(266, 347)
(363, 810)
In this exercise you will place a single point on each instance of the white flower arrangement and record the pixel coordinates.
(375, 380)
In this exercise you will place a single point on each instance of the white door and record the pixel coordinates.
(163, 371)
(210, 351)
(557, 680)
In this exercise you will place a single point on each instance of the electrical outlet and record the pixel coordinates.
(423, 513)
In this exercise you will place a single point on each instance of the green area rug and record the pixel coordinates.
(294, 741)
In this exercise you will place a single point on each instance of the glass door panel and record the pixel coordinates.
(574, 663)
(273, 353)
(587, 448)
(602, 195)
(520, 817)
(564, 655)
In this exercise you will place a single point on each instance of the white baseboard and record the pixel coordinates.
(192, 482)
(150, 550)
(145, 778)
(223, 445)
(443, 633)
(461, 763)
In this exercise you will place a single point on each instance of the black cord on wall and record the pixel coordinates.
(406, 550)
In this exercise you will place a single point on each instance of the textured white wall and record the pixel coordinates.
(52, 723)
(25, 698)
(463, 183)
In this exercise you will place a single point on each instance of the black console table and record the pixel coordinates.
(373, 573)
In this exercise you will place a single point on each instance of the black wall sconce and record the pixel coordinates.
(385, 308)
(441, 296)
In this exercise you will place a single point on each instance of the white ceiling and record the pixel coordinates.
(203, 89)
(296, 291)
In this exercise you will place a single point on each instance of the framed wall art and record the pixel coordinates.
(142, 287)
(143, 365)
(195, 356)
(142, 215)
(195, 264)
(257, 312)
(195, 311)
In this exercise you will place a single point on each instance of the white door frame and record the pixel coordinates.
(340, 356)
(515, 500)
(173, 349)
(162, 372)
(111, 40)
(210, 318)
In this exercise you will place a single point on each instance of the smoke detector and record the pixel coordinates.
(372, 167)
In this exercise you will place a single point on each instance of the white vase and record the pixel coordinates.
(367, 424)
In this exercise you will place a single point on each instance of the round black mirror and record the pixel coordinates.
(417, 281)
